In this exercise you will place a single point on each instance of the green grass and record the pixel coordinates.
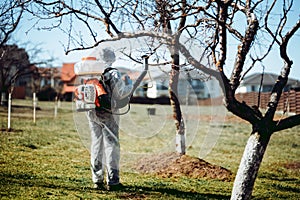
(48, 160)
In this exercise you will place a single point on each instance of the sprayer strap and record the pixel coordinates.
(108, 69)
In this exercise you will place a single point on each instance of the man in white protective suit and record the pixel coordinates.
(104, 126)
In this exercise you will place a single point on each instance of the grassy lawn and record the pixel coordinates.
(50, 160)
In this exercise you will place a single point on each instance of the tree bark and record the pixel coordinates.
(249, 166)
(177, 115)
(180, 139)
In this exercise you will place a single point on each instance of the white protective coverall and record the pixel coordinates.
(105, 147)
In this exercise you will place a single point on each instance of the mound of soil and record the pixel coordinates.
(176, 165)
(292, 166)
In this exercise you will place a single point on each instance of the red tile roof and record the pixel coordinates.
(67, 72)
(68, 88)
(49, 72)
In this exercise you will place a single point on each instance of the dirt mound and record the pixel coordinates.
(176, 165)
(292, 166)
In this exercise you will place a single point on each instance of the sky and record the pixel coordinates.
(51, 42)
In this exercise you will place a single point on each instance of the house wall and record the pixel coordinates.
(241, 89)
(155, 89)
(200, 90)
(152, 91)
(212, 89)
(19, 92)
(247, 88)
(256, 88)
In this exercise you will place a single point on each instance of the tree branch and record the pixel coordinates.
(11, 26)
(243, 50)
(283, 77)
(107, 21)
(286, 123)
(166, 37)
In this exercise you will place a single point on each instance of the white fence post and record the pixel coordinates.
(9, 112)
(34, 107)
(55, 107)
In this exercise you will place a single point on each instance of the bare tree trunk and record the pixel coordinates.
(249, 166)
(180, 138)
(177, 115)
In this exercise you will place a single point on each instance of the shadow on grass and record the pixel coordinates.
(12, 181)
(143, 190)
(10, 130)
(289, 185)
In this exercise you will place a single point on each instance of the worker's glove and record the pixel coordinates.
(78, 93)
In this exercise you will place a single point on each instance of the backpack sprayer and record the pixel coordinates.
(93, 95)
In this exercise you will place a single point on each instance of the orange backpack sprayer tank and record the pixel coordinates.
(87, 95)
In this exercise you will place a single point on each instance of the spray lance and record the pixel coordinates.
(92, 94)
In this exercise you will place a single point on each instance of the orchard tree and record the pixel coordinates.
(255, 27)
(257, 24)
(17, 62)
(14, 62)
